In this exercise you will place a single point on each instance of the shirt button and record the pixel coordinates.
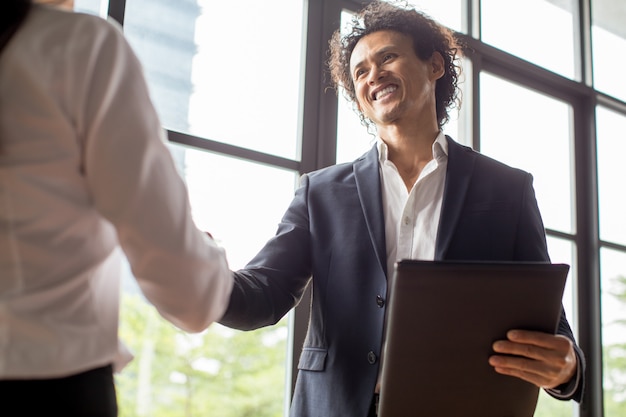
(380, 301)
(371, 357)
(407, 221)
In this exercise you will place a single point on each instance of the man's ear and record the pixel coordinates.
(437, 64)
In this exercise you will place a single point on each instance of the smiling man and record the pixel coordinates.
(417, 194)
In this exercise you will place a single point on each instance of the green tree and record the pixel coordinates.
(614, 364)
(219, 372)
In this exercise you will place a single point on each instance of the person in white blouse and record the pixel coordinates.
(86, 180)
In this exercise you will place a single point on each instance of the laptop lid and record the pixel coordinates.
(441, 321)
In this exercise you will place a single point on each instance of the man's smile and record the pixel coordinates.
(377, 95)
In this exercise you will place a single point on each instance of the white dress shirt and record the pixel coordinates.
(412, 218)
(85, 173)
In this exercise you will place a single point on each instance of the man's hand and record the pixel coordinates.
(540, 358)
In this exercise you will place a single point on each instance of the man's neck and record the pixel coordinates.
(409, 150)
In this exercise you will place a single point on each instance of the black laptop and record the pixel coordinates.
(441, 321)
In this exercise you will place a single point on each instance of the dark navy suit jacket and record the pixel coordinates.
(334, 232)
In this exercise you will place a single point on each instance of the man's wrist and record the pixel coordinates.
(567, 390)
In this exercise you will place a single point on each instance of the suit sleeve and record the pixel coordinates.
(274, 280)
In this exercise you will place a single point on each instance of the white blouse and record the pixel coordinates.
(85, 174)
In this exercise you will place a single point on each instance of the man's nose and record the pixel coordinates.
(375, 74)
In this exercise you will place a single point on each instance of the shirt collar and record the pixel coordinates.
(440, 147)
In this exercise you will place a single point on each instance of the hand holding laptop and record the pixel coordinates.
(474, 305)
(542, 359)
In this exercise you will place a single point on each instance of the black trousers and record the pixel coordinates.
(88, 394)
(374, 407)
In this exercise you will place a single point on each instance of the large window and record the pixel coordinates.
(539, 31)
(608, 33)
(242, 90)
(611, 175)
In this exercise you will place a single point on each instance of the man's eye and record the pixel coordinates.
(387, 57)
(359, 72)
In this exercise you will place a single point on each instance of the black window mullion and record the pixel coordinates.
(117, 9)
(588, 256)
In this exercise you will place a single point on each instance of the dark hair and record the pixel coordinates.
(428, 36)
(13, 14)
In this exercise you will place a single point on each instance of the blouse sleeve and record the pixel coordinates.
(135, 185)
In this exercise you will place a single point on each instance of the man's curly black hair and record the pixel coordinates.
(428, 36)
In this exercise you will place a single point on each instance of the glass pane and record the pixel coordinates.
(531, 132)
(458, 126)
(354, 139)
(224, 70)
(220, 207)
(612, 198)
(97, 7)
(220, 371)
(608, 33)
(548, 406)
(539, 31)
(613, 281)
(448, 12)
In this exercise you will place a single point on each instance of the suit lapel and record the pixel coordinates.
(460, 166)
(368, 186)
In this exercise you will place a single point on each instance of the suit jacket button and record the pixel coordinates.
(380, 301)
(371, 357)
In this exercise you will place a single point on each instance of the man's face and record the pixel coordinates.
(391, 83)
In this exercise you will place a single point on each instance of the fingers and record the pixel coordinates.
(545, 340)
(520, 349)
(543, 347)
(541, 374)
(538, 379)
(542, 359)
